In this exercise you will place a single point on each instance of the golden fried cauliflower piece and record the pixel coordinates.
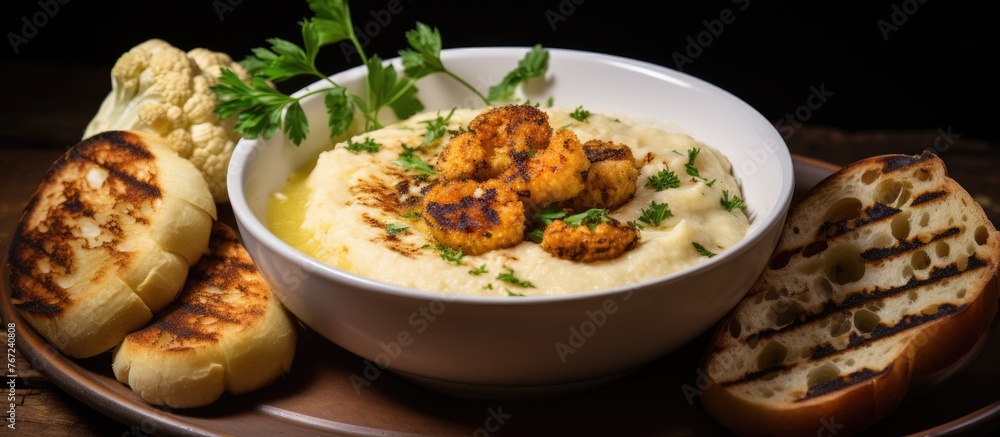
(476, 217)
(463, 157)
(553, 174)
(611, 179)
(607, 240)
(497, 139)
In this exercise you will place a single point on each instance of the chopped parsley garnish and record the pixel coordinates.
(412, 215)
(692, 155)
(655, 214)
(545, 217)
(436, 128)
(702, 251)
(509, 278)
(368, 145)
(663, 180)
(591, 218)
(692, 170)
(535, 236)
(478, 270)
(410, 161)
(393, 229)
(511, 293)
(449, 254)
(731, 203)
(551, 101)
(580, 114)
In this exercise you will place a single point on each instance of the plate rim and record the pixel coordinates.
(69, 376)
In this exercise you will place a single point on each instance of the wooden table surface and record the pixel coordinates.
(33, 135)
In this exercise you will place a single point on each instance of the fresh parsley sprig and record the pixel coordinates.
(262, 110)
(368, 145)
(509, 278)
(534, 64)
(663, 180)
(580, 114)
(702, 250)
(393, 228)
(731, 203)
(692, 170)
(655, 214)
(448, 254)
(589, 218)
(409, 161)
(436, 128)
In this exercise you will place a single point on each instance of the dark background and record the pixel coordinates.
(932, 72)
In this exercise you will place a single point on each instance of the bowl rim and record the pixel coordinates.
(249, 222)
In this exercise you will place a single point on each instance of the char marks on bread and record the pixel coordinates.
(884, 272)
(106, 240)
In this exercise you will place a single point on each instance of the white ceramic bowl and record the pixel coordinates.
(512, 347)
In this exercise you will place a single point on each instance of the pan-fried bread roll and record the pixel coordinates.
(106, 240)
(225, 332)
(885, 272)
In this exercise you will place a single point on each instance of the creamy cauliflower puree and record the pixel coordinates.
(339, 212)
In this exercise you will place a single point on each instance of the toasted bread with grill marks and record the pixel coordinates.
(107, 239)
(225, 332)
(885, 272)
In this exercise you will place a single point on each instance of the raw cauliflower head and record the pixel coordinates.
(158, 88)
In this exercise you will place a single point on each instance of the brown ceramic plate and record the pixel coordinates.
(320, 396)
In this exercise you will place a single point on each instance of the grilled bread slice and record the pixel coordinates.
(884, 272)
(224, 332)
(107, 239)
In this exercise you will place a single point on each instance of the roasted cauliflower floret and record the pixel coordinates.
(497, 139)
(611, 179)
(476, 217)
(462, 158)
(553, 174)
(603, 241)
(160, 89)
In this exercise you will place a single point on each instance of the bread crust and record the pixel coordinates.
(927, 347)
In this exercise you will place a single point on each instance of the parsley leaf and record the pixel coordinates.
(580, 114)
(409, 161)
(436, 128)
(424, 56)
(655, 214)
(731, 203)
(550, 213)
(535, 236)
(412, 215)
(262, 110)
(692, 170)
(478, 270)
(258, 107)
(692, 155)
(449, 254)
(534, 64)
(663, 180)
(591, 218)
(393, 229)
(509, 278)
(368, 145)
(513, 294)
(702, 251)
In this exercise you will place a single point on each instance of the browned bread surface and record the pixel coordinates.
(884, 272)
(225, 331)
(106, 240)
